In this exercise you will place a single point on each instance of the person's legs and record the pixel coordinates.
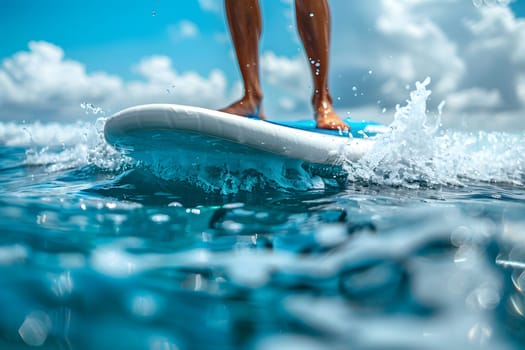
(313, 22)
(244, 20)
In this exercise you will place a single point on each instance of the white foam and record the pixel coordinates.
(417, 151)
(63, 146)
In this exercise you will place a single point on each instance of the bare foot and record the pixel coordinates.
(326, 118)
(245, 108)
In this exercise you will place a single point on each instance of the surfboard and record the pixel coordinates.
(142, 130)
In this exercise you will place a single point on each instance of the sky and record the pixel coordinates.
(59, 56)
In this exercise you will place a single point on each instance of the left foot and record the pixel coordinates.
(326, 118)
(246, 107)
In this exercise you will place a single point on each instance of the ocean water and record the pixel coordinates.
(420, 245)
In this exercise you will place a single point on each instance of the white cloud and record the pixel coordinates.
(474, 99)
(183, 30)
(473, 54)
(156, 69)
(42, 80)
(290, 82)
(42, 84)
(189, 29)
(425, 47)
(286, 103)
(289, 74)
(211, 5)
(163, 84)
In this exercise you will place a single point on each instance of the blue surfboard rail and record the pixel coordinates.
(358, 129)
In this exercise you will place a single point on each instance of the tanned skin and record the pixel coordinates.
(313, 21)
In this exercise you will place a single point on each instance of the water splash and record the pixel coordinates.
(243, 173)
(63, 146)
(418, 153)
(90, 108)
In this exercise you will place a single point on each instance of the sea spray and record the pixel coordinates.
(418, 153)
(102, 155)
(404, 155)
(63, 146)
(415, 153)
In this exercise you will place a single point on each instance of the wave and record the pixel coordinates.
(63, 146)
(417, 152)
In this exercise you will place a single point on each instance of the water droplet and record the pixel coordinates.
(354, 88)
(62, 284)
(160, 218)
(91, 108)
(144, 305)
(370, 72)
(311, 14)
(153, 13)
(195, 211)
(41, 219)
(35, 328)
(441, 106)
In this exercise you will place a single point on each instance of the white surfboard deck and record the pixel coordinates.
(175, 128)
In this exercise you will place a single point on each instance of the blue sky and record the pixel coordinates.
(112, 35)
(115, 54)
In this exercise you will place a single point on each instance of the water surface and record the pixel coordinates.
(421, 247)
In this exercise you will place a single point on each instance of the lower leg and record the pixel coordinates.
(313, 22)
(244, 20)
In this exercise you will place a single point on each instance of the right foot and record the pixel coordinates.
(326, 118)
(245, 108)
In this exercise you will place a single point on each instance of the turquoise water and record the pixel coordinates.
(421, 246)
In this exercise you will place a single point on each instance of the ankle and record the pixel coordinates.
(321, 101)
(253, 96)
